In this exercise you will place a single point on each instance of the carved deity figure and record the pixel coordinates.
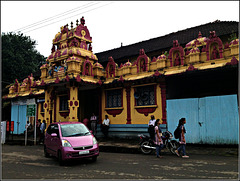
(215, 53)
(177, 60)
(142, 66)
(87, 69)
(111, 71)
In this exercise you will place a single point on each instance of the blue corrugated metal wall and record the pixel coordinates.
(18, 115)
(210, 120)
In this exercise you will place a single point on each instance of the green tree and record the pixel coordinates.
(19, 57)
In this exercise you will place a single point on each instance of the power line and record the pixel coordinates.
(69, 17)
(56, 16)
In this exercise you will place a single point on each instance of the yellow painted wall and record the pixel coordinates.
(136, 118)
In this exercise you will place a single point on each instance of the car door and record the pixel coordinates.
(55, 140)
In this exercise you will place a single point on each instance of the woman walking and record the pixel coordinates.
(158, 138)
(182, 140)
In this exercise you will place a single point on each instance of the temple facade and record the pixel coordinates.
(74, 84)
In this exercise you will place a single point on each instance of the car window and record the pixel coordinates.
(53, 128)
(71, 130)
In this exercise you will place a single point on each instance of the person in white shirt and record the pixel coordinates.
(93, 120)
(105, 126)
(151, 125)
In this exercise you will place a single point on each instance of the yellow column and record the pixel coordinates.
(47, 106)
(73, 104)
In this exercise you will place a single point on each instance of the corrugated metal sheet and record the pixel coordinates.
(18, 115)
(210, 120)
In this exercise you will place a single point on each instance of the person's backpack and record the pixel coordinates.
(177, 133)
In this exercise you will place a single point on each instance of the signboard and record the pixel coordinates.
(31, 110)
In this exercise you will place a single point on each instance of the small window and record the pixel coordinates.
(42, 106)
(145, 95)
(63, 103)
(114, 98)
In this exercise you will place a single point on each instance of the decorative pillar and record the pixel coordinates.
(47, 106)
(100, 105)
(128, 91)
(73, 104)
(163, 96)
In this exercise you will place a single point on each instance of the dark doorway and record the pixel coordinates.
(89, 103)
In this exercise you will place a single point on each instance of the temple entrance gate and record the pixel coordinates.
(89, 103)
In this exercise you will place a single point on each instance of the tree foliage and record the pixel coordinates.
(19, 57)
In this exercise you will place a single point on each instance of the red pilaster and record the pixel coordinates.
(163, 95)
(128, 90)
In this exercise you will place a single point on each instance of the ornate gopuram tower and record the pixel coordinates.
(71, 76)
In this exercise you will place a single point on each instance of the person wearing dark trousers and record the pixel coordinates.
(42, 131)
(105, 126)
(151, 125)
(93, 120)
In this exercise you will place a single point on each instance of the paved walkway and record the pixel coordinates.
(132, 146)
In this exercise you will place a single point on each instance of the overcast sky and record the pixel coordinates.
(111, 22)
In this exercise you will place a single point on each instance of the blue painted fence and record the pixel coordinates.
(210, 120)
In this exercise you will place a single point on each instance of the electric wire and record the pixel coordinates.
(68, 17)
(56, 16)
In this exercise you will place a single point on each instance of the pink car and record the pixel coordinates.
(70, 141)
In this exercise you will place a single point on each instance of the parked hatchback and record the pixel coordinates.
(70, 141)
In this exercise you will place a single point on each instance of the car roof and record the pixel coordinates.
(67, 122)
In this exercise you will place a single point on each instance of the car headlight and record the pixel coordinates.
(94, 141)
(65, 143)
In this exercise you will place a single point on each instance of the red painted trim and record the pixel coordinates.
(146, 110)
(163, 95)
(128, 91)
(114, 112)
(64, 114)
(234, 61)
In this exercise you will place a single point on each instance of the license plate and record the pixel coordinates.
(83, 152)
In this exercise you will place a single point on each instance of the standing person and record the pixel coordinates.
(158, 139)
(42, 129)
(93, 120)
(38, 128)
(86, 122)
(182, 140)
(105, 126)
(151, 125)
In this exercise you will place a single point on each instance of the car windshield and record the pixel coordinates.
(70, 130)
